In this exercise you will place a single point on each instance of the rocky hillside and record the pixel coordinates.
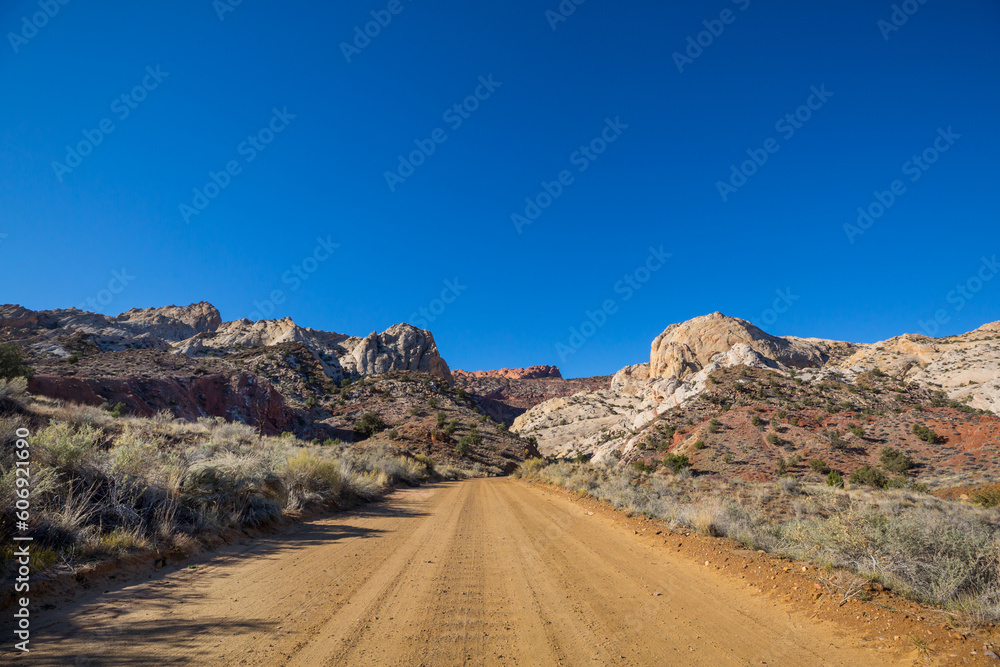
(750, 400)
(389, 388)
(198, 331)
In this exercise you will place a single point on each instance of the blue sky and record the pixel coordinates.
(599, 101)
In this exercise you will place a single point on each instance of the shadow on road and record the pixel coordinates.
(128, 642)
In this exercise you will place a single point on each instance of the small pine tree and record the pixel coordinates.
(12, 363)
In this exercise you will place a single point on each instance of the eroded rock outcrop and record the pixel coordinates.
(172, 323)
(401, 347)
(602, 423)
(686, 348)
(198, 330)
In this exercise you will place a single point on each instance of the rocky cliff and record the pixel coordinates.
(198, 331)
(610, 422)
(687, 347)
(187, 360)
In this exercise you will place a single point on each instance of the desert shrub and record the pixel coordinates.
(713, 426)
(115, 410)
(432, 402)
(926, 434)
(895, 460)
(937, 557)
(789, 485)
(368, 486)
(988, 497)
(393, 434)
(700, 444)
(463, 448)
(70, 450)
(773, 438)
(675, 462)
(311, 481)
(235, 490)
(12, 364)
(856, 430)
(413, 411)
(530, 467)
(441, 417)
(427, 462)
(837, 441)
(643, 466)
(369, 424)
(12, 394)
(757, 421)
(138, 454)
(869, 476)
(781, 467)
(835, 479)
(380, 460)
(707, 517)
(820, 466)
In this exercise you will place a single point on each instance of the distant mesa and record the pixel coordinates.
(529, 373)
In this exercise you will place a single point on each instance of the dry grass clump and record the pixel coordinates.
(932, 550)
(13, 393)
(104, 486)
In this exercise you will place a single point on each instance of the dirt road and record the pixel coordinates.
(490, 572)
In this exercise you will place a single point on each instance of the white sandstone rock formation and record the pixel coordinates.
(602, 423)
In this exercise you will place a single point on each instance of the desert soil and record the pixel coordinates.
(480, 572)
